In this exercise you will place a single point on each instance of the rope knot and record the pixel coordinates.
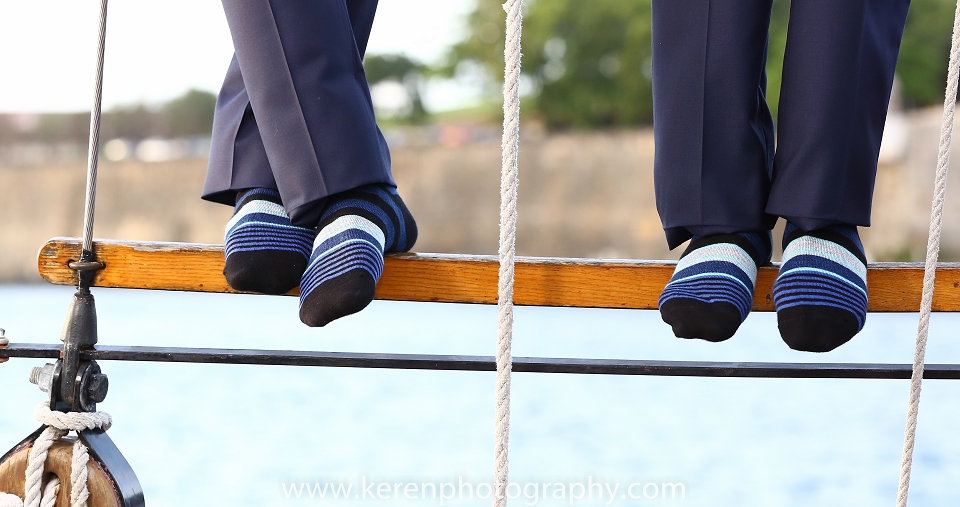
(72, 421)
(40, 493)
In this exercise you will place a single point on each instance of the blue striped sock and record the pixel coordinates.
(711, 291)
(356, 228)
(821, 291)
(264, 251)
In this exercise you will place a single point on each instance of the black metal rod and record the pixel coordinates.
(487, 363)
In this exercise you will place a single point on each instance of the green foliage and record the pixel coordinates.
(191, 114)
(188, 115)
(924, 52)
(776, 44)
(589, 62)
(390, 68)
(402, 70)
(592, 60)
(134, 121)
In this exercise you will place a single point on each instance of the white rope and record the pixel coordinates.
(78, 475)
(40, 493)
(10, 500)
(510, 149)
(930, 269)
(50, 492)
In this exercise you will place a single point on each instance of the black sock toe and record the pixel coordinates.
(689, 318)
(812, 328)
(344, 295)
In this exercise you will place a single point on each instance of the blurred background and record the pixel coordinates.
(586, 162)
(586, 190)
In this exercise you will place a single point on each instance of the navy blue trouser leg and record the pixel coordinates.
(713, 131)
(715, 170)
(837, 75)
(294, 113)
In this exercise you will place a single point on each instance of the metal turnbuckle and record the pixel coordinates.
(77, 384)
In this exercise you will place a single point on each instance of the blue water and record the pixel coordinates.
(235, 435)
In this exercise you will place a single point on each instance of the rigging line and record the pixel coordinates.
(435, 362)
(510, 149)
(91, 192)
(930, 268)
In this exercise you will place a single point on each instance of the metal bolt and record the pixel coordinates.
(43, 377)
(97, 387)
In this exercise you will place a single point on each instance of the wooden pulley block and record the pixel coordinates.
(13, 466)
(3, 344)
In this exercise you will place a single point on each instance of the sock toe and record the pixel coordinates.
(816, 328)
(266, 272)
(689, 318)
(711, 290)
(355, 229)
(264, 252)
(344, 295)
(821, 290)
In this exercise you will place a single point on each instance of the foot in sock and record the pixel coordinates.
(711, 291)
(356, 229)
(821, 291)
(264, 251)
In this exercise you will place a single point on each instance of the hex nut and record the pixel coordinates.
(96, 389)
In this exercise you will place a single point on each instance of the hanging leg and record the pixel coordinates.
(714, 139)
(267, 246)
(713, 131)
(264, 251)
(238, 159)
(837, 75)
(356, 228)
(838, 71)
(299, 67)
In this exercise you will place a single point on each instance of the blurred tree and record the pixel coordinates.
(402, 70)
(191, 114)
(135, 121)
(922, 67)
(589, 62)
(49, 128)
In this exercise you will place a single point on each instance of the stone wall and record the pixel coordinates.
(581, 195)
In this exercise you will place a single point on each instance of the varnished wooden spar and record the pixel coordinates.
(894, 287)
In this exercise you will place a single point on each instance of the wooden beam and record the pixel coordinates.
(894, 287)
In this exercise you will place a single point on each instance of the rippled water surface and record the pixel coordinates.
(235, 435)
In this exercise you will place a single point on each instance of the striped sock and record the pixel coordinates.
(264, 251)
(711, 291)
(821, 291)
(356, 228)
